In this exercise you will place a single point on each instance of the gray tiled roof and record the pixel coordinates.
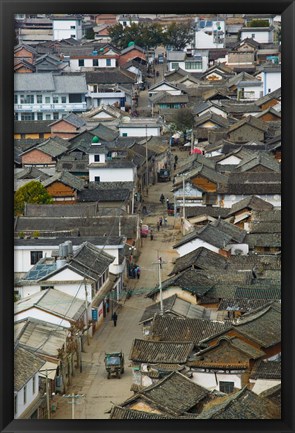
(44, 337)
(210, 234)
(253, 202)
(160, 351)
(55, 302)
(123, 413)
(52, 148)
(212, 117)
(263, 240)
(201, 258)
(73, 119)
(42, 210)
(266, 370)
(48, 82)
(37, 126)
(176, 306)
(237, 234)
(275, 94)
(66, 178)
(262, 326)
(26, 365)
(243, 404)
(95, 226)
(110, 76)
(258, 159)
(249, 120)
(175, 394)
(167, 328)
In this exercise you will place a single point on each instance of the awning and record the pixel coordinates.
(51, 370)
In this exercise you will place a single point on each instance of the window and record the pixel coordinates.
(63, 99)
(55, 99)
(96, 158)
(81, 62)
(47, 116)
(73, 27)
(47, 99)
(34, 384)
(39, 116)
(27, 116)
(97, 179)
(27, 99)
(15, 404)
(174, 65)
(108, 62)
(73, 36)
(75, 97)
(226, 387)
(39, 99)
(15, 99)
(55, 116)
(193, 65)
(36, 256)
(124, 134)
(253, 35)
(95, 62)
(25, 394)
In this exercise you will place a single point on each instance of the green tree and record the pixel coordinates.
(178, 35)
(258, 23)
(183, 119)
(144, 35)
(32, 192)
(89, 34)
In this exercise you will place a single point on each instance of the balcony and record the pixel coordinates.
(35, 108)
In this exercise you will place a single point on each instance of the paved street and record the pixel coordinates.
(99, 392)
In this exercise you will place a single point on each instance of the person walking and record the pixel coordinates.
(161, 221)
(162, 198)
(158, 225)
(151, 235)
(167, 203)
(114, 318)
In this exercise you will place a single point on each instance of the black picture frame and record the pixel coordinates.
(8, 9)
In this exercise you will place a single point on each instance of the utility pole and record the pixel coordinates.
(47, 395)
(86, 313)
(146, 162)
(73, 401)
(160, 262)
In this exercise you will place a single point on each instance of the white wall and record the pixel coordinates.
(271, 81)
(204, 41)
(30, 396)
(102, 158)
(140, 131)
(88, 63)
(250, 92)
(242, 247)
(165, 88)
(261, 36)
(62, 29)
(181, 64)
(182, 294)
(229, 200)
(263, 384)
(231, 160)
(42, 315)
(193, 245)
(211, 381)
(112, 174)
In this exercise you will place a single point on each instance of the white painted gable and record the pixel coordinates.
(231, 160)
(102, 115)
(66, 274)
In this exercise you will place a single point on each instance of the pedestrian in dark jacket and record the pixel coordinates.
(161, 221)
(114, 318)
(152, 235)
(158, 225)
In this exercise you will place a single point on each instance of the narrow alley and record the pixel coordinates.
(96, 391)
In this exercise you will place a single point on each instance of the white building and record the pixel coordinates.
(140, 128)
(209, 34)
(271, 78)
(65, 27)
(249, 90)
(105, 166)
(27, 398)
(262, 35)
(45, 96)
(196, 63)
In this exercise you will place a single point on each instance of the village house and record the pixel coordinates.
(63, 187)
(68, 126)
(32, 129)
(179, 59)
(45, 96)
(27, 398)
(66, 26)
(44, 154)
